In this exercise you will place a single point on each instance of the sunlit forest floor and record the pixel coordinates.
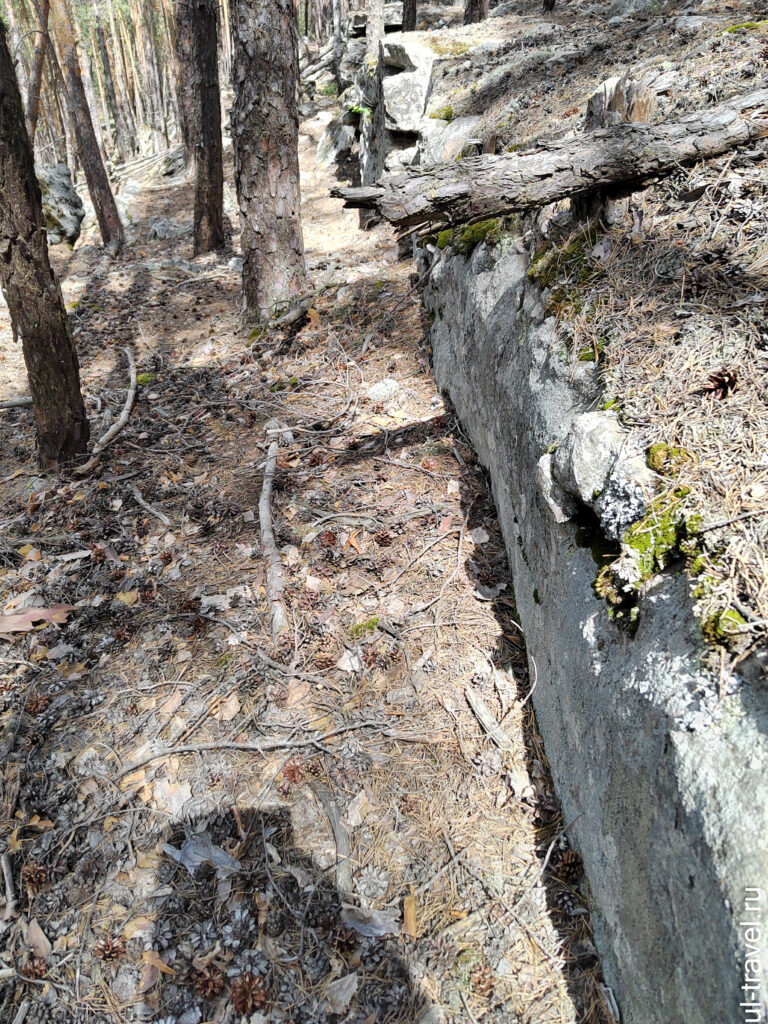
(199, 824)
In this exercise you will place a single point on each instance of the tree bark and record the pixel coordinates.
(374, 31)
(87, 146)
(31, 290)
(409, 15)
(209, 160)
(617, 160)
(265, 137)
(36, 75)
(474, 11)
(122, 134)
(185, 81)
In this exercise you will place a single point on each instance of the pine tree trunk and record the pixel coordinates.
(185, 81)
(32, 291)
(36, 75)
(474, 11)
(265, 138)
(409, 15)
(87, 146)
(374, 31)
(122, 81)
(122, 134)
(209, 161)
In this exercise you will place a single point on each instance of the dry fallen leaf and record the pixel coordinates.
(152, 957)
(297, 691)
(23, 621)
(37, 940)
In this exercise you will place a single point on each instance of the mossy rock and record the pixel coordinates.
(448, 47)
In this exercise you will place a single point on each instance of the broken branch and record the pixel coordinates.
(617, 160)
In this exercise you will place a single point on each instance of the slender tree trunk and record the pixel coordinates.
(265, 137)
(122, 82)
(374, 31)
(185, 82)
(36, 75)
(152, 64)
(32, 291)
(122, 134)
(409, 15)
(93, 106)
(474, 11)
(338, 46)
(106, 115)
(209, 161)
(16, 49)
(87, 146)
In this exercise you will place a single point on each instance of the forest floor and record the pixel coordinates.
(201, 824)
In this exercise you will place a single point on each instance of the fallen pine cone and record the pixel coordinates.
(109, 949)
(209, 983)
(248, 993)
(569, 866)
(34, 877)
(482, 980)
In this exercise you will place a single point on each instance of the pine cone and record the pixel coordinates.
(482, 980)
(345, 941)
(109, 949)
(37, 703)
(314, 768)
(326, 539)
(384, 538)
(248, 993)
(324, 661)
(34, 877)
(36, 968)
(277, 922)
(209, 983)
(569, 866)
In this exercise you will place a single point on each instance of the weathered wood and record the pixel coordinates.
(618, 160)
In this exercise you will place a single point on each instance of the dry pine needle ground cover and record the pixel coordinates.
(198, 824)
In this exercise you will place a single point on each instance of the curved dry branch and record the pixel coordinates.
(120, 422)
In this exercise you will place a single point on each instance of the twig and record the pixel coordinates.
(10, 898)
(148, 508)
(16, 403)
(340, 837)
(21, 1013)
(274, 572)
(424, 607)
(119, 423)
(260, 748)
(736, 519)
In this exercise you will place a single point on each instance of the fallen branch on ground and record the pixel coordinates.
(17, 403)
(617, 160)
(273, 566)
(119, 423)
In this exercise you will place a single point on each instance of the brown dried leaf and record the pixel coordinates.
(23, 621)
(37, 940)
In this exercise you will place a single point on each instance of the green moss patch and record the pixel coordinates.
(466, 238)
(667, 459)
(361, 629)
(570, 263)
(145, 379)
(747, 26)
(443, 113)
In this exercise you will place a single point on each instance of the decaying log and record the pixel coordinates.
(617, 160)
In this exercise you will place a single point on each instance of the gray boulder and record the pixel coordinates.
(406, 86)
(336, 141)
(62, 207)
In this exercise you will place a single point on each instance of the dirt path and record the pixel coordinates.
(201, 825)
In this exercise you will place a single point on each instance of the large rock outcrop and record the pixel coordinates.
(660, 766)
(62, 207)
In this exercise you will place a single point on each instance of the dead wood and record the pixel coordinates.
(119, 423)
(618, 160)
(273, 566)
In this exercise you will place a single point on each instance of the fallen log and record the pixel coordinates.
(617, 160)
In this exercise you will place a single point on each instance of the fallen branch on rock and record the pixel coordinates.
(119, 423)
(617, 160)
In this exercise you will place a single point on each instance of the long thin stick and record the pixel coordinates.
(10, 899)
(275, 574)
(16, 403)
(119, 423)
